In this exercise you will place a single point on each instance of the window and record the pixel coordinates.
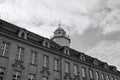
(19, 55)
(67, 67)
(112, 78)
(45, 61)
(116, 78)
(56, 64)
(4, 48)
(97, 75)
(31, 77)
(75, 67)
(102, 76)
(33, 57)
(16, 75)
(107, 77)
(1, 73)
(91, 74)
(45, 78)
(83, 72)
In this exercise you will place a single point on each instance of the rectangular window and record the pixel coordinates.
(4, 49)
(97, 75)
(1, 73)
(83, 72)
(75, 67)
(45, 78)
(91, 74)
(102, 76)
(107, 77)
(112, 78)
(46, 61)
(16, 75)
(33, 57)
(31, 77)
(19, 55)
(56, 64)
(116, 78)
(67, 67)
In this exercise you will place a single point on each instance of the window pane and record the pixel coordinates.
(31, 77)
(33, 57)
(102, 76)
(19, 55)
(107, 77)
(83, 72)
(1, 73)
(67, 67)
(45, 78)
(91, 74)
(56, 64)
(4, 48)
(75, 69)
(16, 75)
(45, 61)
(97, 76)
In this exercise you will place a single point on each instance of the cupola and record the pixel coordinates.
(60, 37)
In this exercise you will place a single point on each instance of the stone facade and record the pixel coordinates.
(27, 56)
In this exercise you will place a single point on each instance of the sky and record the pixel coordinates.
(93, 25)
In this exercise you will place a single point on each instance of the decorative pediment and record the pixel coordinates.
(45, 72)
(22, 33)
(67, 76)
(18, 65)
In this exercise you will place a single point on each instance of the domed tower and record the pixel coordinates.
(60, 37)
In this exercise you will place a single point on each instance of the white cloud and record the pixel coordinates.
(76, 15)
(107, 51)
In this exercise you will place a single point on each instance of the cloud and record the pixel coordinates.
(107, 51)
(76, 15)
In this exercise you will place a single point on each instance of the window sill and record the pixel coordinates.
(4, 56)
(56, 70)
(19, 60)
(33, 64)
(45, 67)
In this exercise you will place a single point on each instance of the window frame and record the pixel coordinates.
(56, 64)
(45, 61)
(33, 58)
(4, 48)
(20, 53)
(84, 74)
(67, 67)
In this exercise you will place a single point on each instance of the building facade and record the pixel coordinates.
(27, 56)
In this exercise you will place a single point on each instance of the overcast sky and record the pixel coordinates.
(93, 25)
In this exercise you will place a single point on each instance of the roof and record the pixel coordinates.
(12, 29)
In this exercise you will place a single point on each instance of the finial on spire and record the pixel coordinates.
(59, 24)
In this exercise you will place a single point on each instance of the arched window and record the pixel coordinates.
(46, 43)
(22, 33)
(82, 57)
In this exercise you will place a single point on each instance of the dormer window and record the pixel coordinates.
(22, 33)
(95, 62)
(66, 51)
(106, 66)
(82, 57)
(113, 68)
(46, 43)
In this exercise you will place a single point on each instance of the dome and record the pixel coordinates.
(59, 29)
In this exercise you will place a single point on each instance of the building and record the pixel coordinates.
(27, 56)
